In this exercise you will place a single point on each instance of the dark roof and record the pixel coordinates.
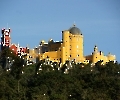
(75, 30)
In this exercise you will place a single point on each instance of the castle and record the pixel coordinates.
(70, 48)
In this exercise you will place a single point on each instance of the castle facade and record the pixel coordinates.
(70, 48)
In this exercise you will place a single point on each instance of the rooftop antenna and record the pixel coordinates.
(74, 24)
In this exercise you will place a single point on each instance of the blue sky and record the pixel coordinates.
(34, 20)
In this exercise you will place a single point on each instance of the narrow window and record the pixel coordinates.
(77, 46)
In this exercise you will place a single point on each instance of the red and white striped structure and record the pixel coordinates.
(6, 43)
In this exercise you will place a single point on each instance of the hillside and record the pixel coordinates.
(42, 81)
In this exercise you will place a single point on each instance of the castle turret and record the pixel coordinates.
(5, 38)
(95, 49)
(95, 55)
(66, 46)
(76, 43)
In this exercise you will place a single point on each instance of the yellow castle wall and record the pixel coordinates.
(111, 57)
(52, 55)
(76, 47)
(32, 53)
(66, 45)
(97, 57)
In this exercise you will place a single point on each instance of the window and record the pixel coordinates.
(70, 55)
(77, 38)
(60, 60)
(77, 46)
(6, 33)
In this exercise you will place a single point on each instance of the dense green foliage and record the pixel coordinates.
(43, 81)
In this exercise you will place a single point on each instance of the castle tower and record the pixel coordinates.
(95, 55)
(76, 44)
(66, 42)
(73, 43)
(5, 38)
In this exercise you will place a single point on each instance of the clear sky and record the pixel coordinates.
(34, 20)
